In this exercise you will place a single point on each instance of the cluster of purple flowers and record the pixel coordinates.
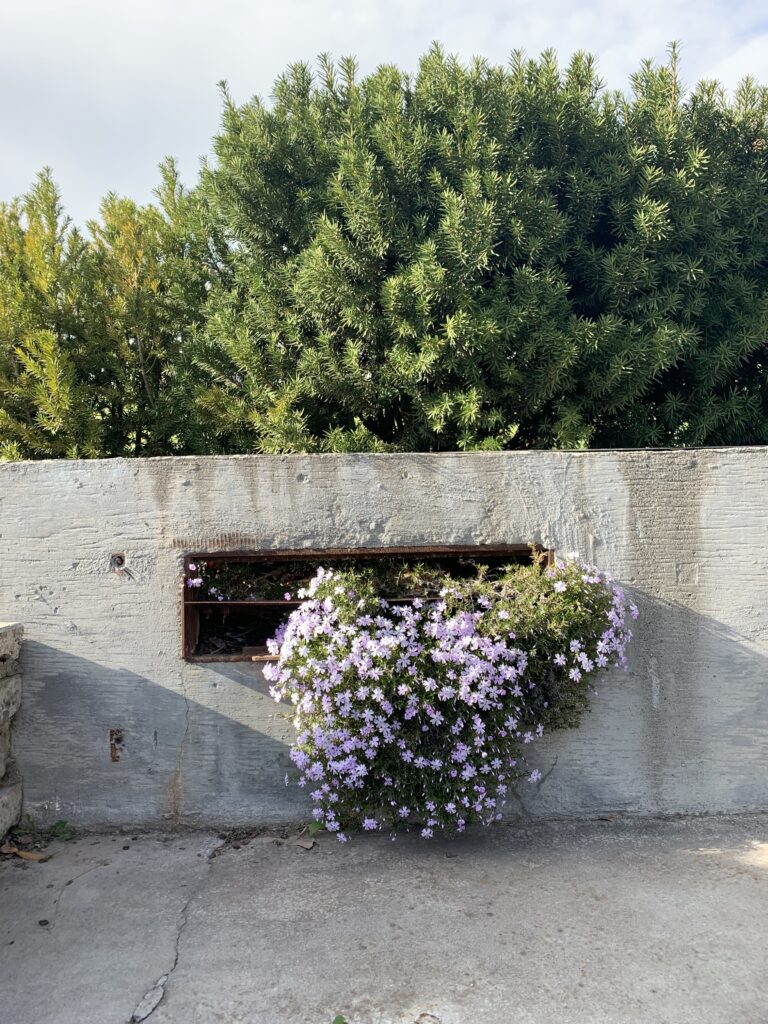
(199, 578)
(421, 712)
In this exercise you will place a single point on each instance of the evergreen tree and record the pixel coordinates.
(91, 327)
(45, 407)
(144, 297)
(475, 257)
(487, 257)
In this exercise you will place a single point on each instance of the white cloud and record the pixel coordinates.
(751, 58)
(102, 91)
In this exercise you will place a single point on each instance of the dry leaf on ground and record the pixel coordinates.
(10, 850)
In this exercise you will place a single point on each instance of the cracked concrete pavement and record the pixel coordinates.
(603, 922)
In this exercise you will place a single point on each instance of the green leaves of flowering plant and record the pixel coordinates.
(422, 712)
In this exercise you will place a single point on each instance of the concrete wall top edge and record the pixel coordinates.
(540, 453)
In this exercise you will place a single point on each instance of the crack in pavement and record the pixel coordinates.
(65, 885)
(154, 996)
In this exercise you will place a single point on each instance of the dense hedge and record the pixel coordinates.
(473, 257)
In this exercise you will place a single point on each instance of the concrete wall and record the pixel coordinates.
(10, 700)
(686, 730)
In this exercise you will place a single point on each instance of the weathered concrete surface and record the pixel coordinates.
(685, 731)
(113, 917)
(608, 922)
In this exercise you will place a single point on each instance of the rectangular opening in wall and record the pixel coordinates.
(233, 603)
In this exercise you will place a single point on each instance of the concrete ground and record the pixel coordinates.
(603, 922)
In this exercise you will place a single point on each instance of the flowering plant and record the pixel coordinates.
(422, 711)
(227, 579)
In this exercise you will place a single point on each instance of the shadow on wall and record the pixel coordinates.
(101, 745)
(684, 731)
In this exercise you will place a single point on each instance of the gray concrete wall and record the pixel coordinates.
(686, 730)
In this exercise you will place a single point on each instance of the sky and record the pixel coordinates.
(102, 90)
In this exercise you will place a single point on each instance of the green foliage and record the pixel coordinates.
(91, 328)
(267, 581)
(61, 830)
(29, 831)
(484, 257)
(473, 257)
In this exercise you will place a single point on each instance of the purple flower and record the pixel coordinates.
(422, 710)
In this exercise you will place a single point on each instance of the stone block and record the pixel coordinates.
(10, 801)
(10, 645)
(10, 698)
(5, 746)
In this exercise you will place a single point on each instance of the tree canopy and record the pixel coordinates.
(472, 257)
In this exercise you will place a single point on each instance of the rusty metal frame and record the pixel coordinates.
(190, 622)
